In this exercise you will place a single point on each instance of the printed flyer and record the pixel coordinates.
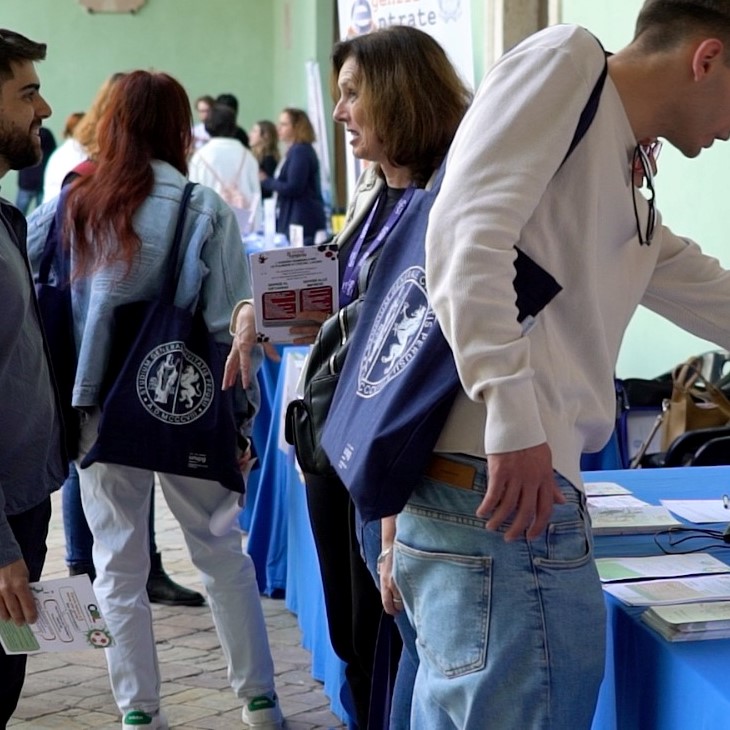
(68, 620)
(289, 284)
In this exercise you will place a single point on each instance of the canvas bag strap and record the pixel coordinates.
(167, 293)
(590, 109)
(219, 179)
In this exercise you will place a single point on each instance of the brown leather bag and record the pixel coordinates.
(695, 403)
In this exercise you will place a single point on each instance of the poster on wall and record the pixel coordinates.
(447, 21)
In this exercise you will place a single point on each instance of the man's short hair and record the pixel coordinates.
(664, 23)
(16, 48)
(221, 121)
(228, 100)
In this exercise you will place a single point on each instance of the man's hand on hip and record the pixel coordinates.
(521, 487)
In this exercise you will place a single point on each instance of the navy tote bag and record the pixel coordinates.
(399, 380)
(164, 409)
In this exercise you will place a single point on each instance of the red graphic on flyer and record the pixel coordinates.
(279, 305)
(316, 299)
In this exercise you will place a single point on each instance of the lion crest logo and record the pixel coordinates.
(399, 329)
(175, 385)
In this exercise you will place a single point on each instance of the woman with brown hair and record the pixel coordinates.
(119, 221)
(400, 101)
(297, 185)
(264, 141)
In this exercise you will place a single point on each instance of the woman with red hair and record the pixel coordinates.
(119, 222)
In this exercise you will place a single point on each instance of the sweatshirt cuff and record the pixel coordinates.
(513, 419)
(234, 314)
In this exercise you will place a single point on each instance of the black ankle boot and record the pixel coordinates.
(162, 589)
(83, 569)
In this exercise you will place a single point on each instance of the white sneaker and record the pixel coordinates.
(263, 713)
(140, 720)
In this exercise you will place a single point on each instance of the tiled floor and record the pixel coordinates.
(71, 690)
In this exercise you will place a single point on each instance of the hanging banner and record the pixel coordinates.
(447, 21)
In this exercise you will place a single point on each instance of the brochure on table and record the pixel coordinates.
(288, 283)
(624, 514)
(611, 570)
(673, 590)
(68, 620)
(699, 511)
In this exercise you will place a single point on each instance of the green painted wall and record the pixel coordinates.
(690, 194)
(255, 49)
(210, 47)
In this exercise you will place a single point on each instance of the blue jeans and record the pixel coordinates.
(368, 535)
(510, 635)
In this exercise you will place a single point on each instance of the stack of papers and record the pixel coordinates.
(604, 489)
(625, 514)
(699, 510)
(687, 596)
(690, 622)
(672, 590)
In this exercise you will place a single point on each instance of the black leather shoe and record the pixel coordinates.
(83, 569)
(162, 589)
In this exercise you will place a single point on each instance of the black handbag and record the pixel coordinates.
(54, 304)
(163, 408)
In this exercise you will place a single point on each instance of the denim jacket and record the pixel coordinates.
(212, 269)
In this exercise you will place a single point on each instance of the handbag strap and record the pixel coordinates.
(169, 286)
(233, 184)
(688, 376)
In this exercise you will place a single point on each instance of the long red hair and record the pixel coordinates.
(148, 118)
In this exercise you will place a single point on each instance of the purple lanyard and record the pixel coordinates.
(355, 260)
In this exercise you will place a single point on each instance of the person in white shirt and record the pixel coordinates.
(203, 105)
(493, 552)
(225, 165)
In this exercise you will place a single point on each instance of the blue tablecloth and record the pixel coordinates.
(280, 539)
(650, 683)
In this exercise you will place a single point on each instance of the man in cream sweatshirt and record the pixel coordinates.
(493, 552)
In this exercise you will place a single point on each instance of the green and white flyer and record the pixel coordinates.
(69, 619)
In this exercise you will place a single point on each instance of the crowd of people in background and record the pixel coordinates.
(286, 165)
